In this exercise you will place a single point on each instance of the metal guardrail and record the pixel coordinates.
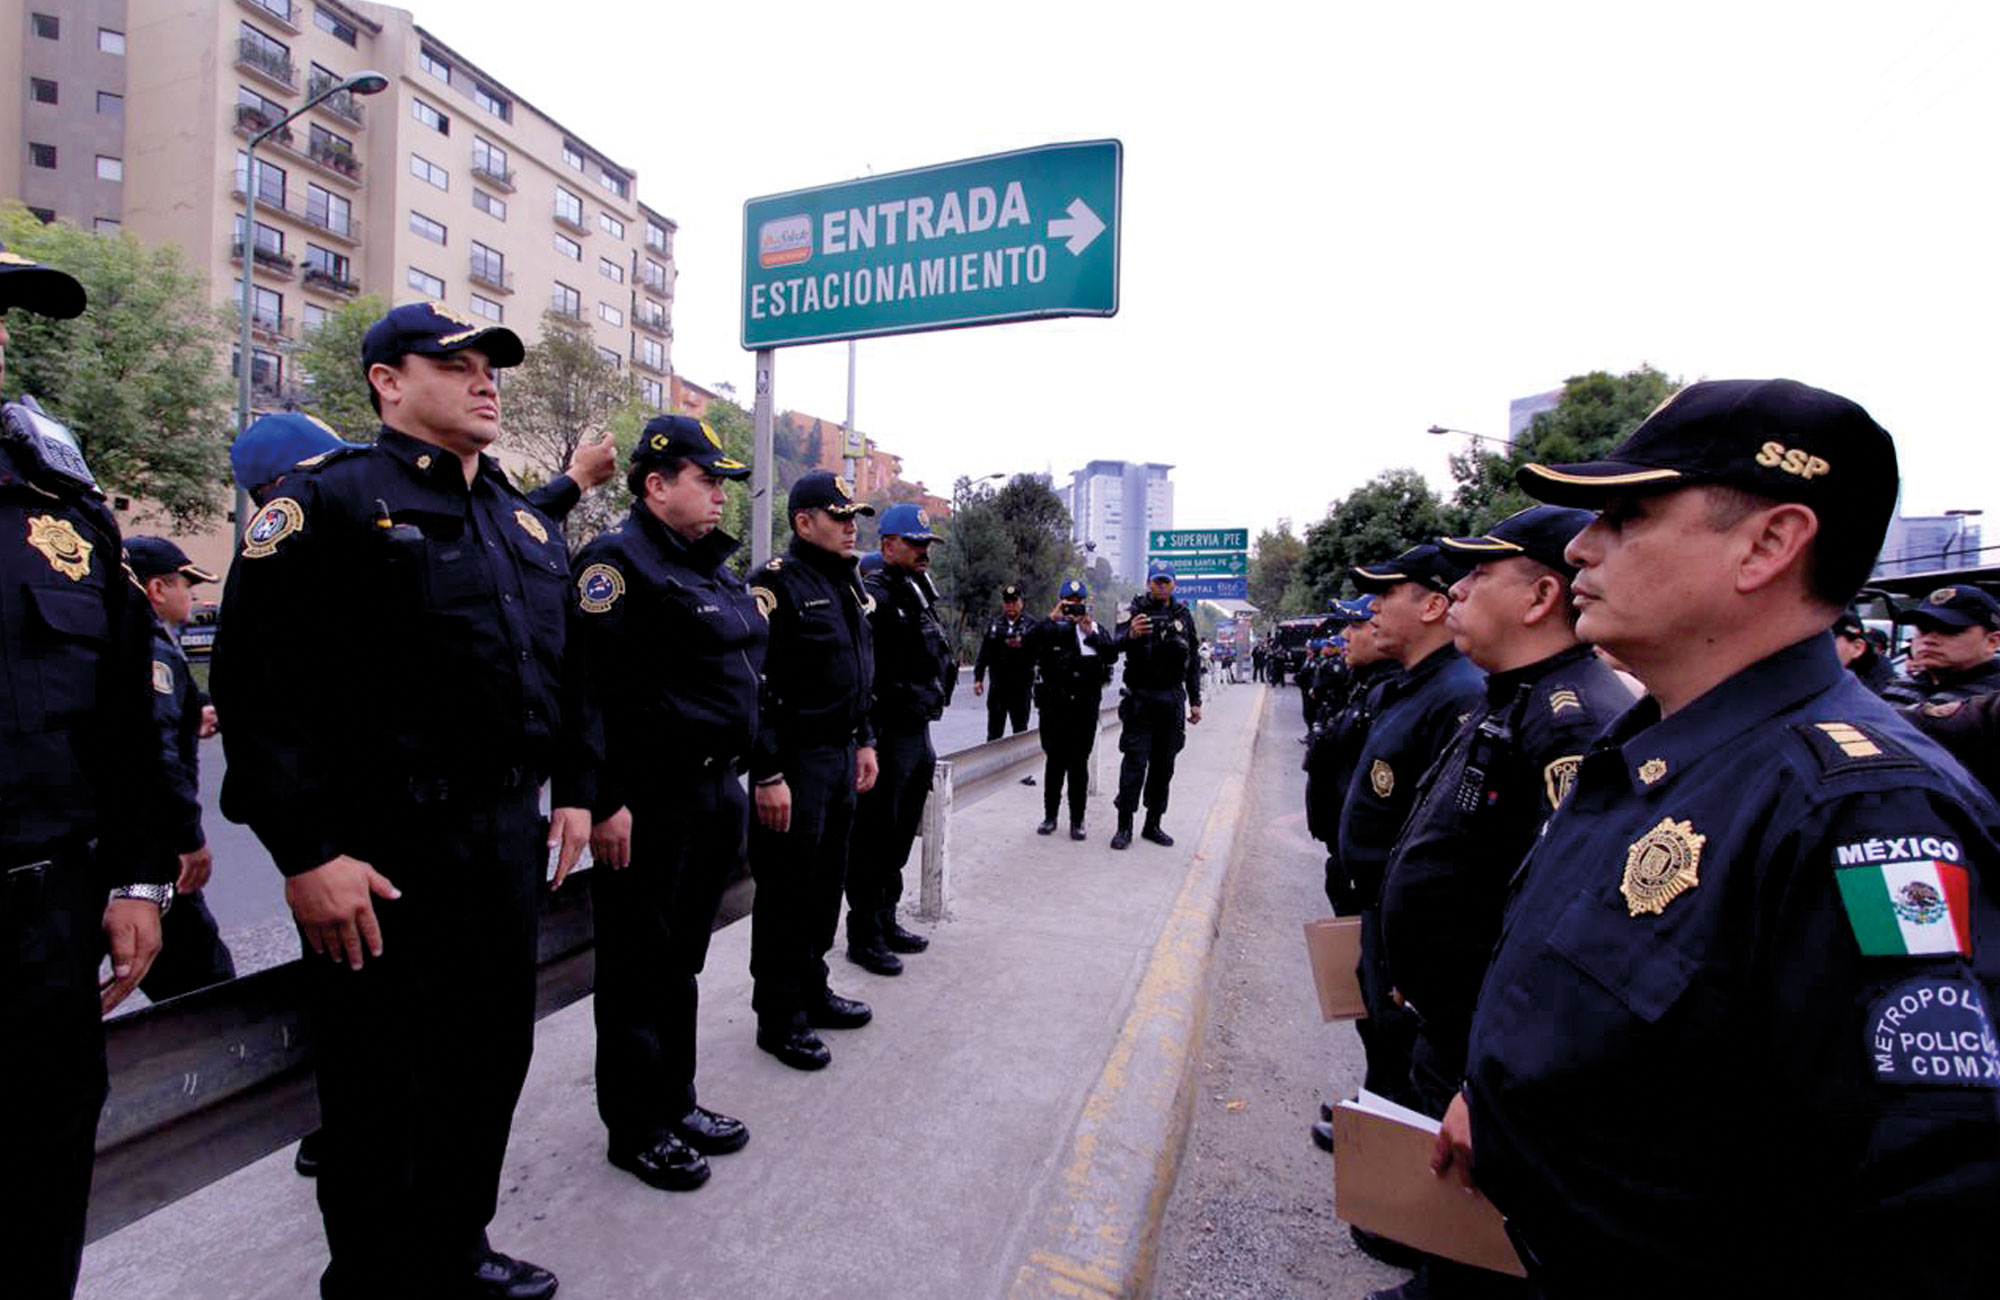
(209, 1082)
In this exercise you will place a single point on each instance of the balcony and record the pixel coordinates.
(646, 363)
(567, 312)
(577, 224)
(267, 325)
(346, 229)
(653, 324)
(260, 60)
(251, 120)
(318, 277)
(269, 195)
(338, 161)
(268, 259)
(497, 278)
(342, 104)
(500, 178)
(282, 12)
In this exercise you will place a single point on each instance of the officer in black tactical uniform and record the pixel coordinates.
(1952, 656)
(1856, 647)
(1160, 696)
(1004, 652)
(1307, 678)
(1072, 662)
(83, 796)
(192, 954)
(1737, 1037)
(915, 671)
(815, 751)
(398, 793)
(674, 645)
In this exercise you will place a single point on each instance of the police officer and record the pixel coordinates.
(1736, 1037)
(1415, 716)
(1004, 651)
(674, 645)
(1072, 662)
(1952, 656)
(84, 795)
(1331, 680)
(1161, 695)
(1307, 678)
(192, 954)
(1856, 648)
(391, 764)
(815, 751)
(914, 674)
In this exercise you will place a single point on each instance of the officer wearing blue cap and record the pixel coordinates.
(670, 815)
(83, 787)
(1161, 695)
(915, 670)
(1952, 655)
(815, 753)
(1737, 1034)
(1072, 663)
(401, 801)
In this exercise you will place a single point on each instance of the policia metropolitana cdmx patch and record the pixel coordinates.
(598, 588)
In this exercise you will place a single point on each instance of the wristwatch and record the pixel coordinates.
(160, 896)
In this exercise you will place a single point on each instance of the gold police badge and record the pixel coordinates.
(1381, 779)
(1942, 596)
(61, 545)
(531, 525)
(1661, 866)
(1559, 778)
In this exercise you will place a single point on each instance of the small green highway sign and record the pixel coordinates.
(1012, 236)
(1197, 539)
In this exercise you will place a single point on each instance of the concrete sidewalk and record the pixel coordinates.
(1008, 1126)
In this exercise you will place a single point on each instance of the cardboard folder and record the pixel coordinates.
(1334, 945)
(1383, 1183)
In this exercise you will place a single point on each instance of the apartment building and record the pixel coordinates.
(1112, 504)
(68, 112)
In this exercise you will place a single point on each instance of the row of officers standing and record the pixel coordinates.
(1684, 933)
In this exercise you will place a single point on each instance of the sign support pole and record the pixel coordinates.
(762, 478)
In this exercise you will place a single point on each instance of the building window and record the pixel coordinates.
(610, 315)
(424, 228)
(268, 110)
(332, 265)
(42, 155)
(569, 248)
(655, 276)
(617, 184)
(567, 301)
(569, 207)
(611, 225)
(42, 90)
(656, 237)
(424, 283)
(110, 105)
(610, 270)
(265, 368)
(270, 239)
(329, 211)
(489, 265)
(108, 226)
(311, 317)
(267, 309)
(47, 26)
(491, 206)
(257, 48)
(490, 309)
(489, 159)
(47, 216)
(571, 158)
(433, 62)
(430, 117)
(492, 103)
(653, 353)
(270, 180)
(337, 27)
(610, 358)
(425, 170)
(654, 392)
(110, 169)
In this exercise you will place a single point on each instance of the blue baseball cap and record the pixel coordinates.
(1359, 610)
(869, 562)
(1073, 590)
(276, 443)
(1540, 532)
(432, 329)
(907, 521)
(1159, 569)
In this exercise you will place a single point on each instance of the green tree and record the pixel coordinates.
(1382, 518)
(1272, 563)
(329, 359)
(140, 377)
(1595, 413)
(562, 393)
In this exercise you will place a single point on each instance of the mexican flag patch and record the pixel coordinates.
(1908, 909)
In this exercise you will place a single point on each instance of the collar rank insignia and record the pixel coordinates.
(61, 545)
(598, 588)
(1653, 771)
(273, 524)
(531, 525)
(1661, 867)
(1381, 779)
(424, 461)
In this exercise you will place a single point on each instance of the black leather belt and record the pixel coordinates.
(461, 787)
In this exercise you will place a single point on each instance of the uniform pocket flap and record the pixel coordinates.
(75, 612)
(1626, 954)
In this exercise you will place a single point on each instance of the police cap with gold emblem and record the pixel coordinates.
(821, 490)
(907, 520)
(682, 437)
(152, 556)
(1540, 532)
(431, 329)
(1954, 609)
(30, 286)
(1777, 438)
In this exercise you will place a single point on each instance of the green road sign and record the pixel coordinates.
(1198, 539)
(1191, 563)
(1012, 236)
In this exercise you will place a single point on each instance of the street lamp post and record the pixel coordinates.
(1439, 431)
(361, 83)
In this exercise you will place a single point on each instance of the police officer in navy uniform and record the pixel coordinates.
(192, 954)
(1161, 695)
(1415, 716)
(1336, 746)
(815, 752)
(1953, 654)
(915, 670)
(1737, 1037)
(1853, 642)
(1072, 662)
(83, 796)
(674, 647)
(392, 766)
(1004, 652)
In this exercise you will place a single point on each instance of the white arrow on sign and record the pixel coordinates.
(1080, 227)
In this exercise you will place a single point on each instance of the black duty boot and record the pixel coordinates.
(1151, 831)
(875, 956)
(897, 939)
(1076, 831)
(1122, 837)
(1048, 826)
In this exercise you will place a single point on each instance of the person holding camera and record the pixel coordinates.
(1072, 658)
(1162, 676)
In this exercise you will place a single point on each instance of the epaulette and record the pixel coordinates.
(1843, 747)
(329, 456)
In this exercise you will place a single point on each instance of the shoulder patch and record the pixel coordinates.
(1933, 1031)
(598, 588)
(767, 600)
(1559, 778)
(1847, 747)
(273, 524)
(1907, 898)
(163, 677)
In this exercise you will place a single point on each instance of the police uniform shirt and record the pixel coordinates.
(1477, 810)
(389, 630)
(1330, 762)
(913, 658)
(1416, 715)
(1070, 665)
(819, 669)
(674, 646)
(1163, 661)
(1004, 651)
(177, 705)
(1939, 688)
(1737, 1033)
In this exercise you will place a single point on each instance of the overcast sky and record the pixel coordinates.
(1343, 224)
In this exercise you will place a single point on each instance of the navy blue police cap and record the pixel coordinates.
(152, 556)
(669, 437)
(1010, 592)
(823, 490)
(432, 329)
(43, 290)
(1540, 533)
(1073, 590)
(1159, 569)
(869, 562)
(1346, 613)
(1849, 625)
(1954, 609)
(1425, 564)
(907, 520)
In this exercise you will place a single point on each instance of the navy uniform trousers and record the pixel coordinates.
(1155, 728)
(800, 874)
(1069, 732)
(885, 827)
